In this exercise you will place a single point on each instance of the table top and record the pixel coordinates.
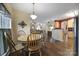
(24, 37)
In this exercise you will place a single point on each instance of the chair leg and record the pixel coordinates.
(29, 53)
(40, 52)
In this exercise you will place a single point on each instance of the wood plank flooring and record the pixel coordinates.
(53, 49)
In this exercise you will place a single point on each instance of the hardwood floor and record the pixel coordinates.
(53, 49)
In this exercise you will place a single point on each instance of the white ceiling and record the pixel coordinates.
(47, 11)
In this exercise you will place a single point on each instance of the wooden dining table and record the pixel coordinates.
(24, 39)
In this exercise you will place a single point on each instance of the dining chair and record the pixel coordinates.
(21, 32)
(15, 49)
(34, 44)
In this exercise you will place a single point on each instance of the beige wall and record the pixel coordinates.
(22, 16)
(17, 16)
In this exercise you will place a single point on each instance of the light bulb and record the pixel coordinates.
(33, 16)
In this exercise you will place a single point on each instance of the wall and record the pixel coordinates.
(17, 16)
(21, 16)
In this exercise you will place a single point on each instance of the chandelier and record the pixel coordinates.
(33, 16)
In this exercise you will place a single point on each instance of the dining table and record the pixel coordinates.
(23, 39)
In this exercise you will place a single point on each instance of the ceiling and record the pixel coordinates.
(46, 11)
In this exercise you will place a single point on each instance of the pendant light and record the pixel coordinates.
(33, 16)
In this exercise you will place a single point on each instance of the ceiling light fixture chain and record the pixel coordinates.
(33, 16)
(33, 8)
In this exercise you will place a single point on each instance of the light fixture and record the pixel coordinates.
(76, 12)
(33, 16)
(72, 13)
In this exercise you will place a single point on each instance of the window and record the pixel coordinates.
(5, 24)
(5, 19)
(3, 42)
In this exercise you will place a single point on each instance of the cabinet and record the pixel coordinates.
(57, 24)
(70, 23)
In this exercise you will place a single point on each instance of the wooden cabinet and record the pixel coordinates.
(70, 43)
(57, 24)
(70, 33)
(70, 23)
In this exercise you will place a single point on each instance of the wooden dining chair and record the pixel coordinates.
(34, 44)
(15, 49)
(21, 32)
